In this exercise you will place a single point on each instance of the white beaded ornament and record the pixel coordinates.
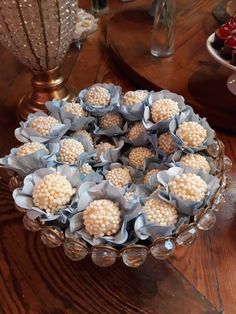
(102, 218)
(192, 133)
(30, 148)
(70, 150)
(134, 97)
(43, 125)
(75, 108)
(138, 155)
(98, 96)
(119, 177)
(163, 109)
(189, 187)
(52, 193)
(159, 212)
(196, 161)
(111, 119)
(166, 144)
(135, 130)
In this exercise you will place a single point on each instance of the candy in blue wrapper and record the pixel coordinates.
(41, 128)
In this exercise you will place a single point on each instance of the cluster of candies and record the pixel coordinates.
(113, 167)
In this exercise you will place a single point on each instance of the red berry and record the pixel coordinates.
(224, 31)
(231, 41)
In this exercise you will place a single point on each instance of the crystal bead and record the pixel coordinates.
(103, 256)
(207, 221)
(227, 164)
(31, 225)
(14, 183)
(163, 248)
(187, 235)
(134, 256)
(218, 202)
(75, 249)
(214, 150)
(20, 209)
(52, 236)
(228, 182)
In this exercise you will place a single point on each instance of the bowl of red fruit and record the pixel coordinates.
(222, 47)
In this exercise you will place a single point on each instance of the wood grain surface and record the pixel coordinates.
(191, 71)
(35, 279)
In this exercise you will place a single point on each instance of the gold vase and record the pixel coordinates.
(38, 33)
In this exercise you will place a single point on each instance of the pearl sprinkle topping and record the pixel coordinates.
(102, 218)
(75, 109)
(189, 187)
(166, 144)
(119, 177)
(30, 148)
(43, 125)
(135, 131)
(196, 161)
(70, 150)
(192, 133)
(163, 109)
(98, 96)
(101, 148)
(52, 193)
(138, 155)
(134, 97)
(111, 119)
(160, 212)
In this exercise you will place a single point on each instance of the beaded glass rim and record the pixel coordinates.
(134, 255)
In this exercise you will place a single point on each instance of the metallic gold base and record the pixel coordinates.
(47, 85)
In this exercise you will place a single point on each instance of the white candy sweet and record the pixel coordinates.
(166, 144)
(75, 108)
(163, 109)
(30, 148)
(111, 119)
(119, 177)
(134, 97)
(52, 193)
(159, 212)
(98, 96)
(196, 161)
(43, 125)
(135, 130)
(102, 218)
(70, 150)
(189, 187)
(192, 133)
(138, 155)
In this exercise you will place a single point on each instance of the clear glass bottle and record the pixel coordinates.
(99, 7)
(163, 33)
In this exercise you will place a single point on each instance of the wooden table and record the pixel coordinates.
(35, 279)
